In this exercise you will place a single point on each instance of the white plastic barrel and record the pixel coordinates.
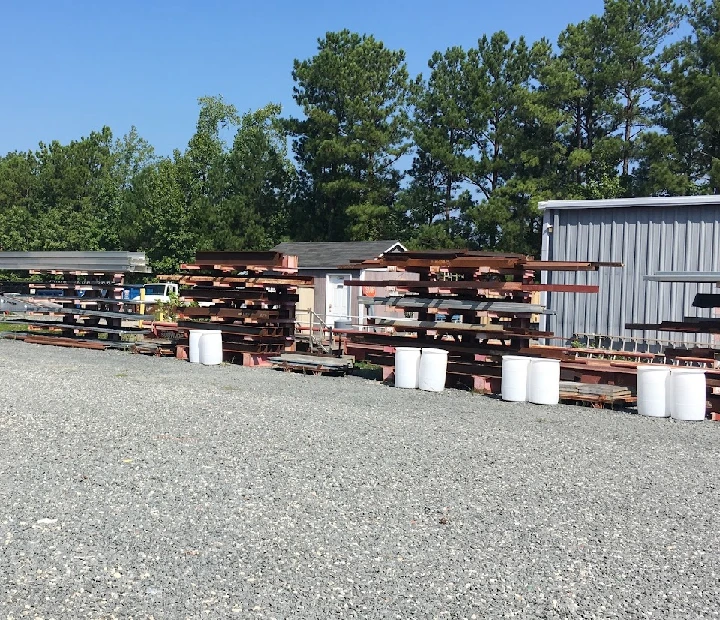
(688, 394)
(194, 353)
(407, 367)
(652, 396)
(544, 381)
(211, 351)
(515, 378)
(433, 370)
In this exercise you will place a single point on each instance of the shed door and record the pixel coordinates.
(338, 298)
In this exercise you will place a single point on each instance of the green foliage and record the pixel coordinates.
(582, 86)
(353, 93)
(635, 30)
(441, 131)
(61, 197)
(689, 88)
(252, 187)
(164, 226)
(435, 237)
(482, 134)
(169, 309)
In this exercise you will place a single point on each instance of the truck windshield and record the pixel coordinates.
(154, 289)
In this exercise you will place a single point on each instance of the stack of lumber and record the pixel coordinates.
(488, 294)
(690, 324)
(249, 296)
(597, 395)
(157, 348)
(705, 357)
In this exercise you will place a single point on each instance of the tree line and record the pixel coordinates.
(620, 105)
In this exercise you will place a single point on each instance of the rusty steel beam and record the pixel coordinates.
(490, 285)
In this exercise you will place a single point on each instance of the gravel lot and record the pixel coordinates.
(136, 487)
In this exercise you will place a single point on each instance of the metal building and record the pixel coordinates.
(647, 235)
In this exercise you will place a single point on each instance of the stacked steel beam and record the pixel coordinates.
(619, 368)
(490, 294)
(690, 324)
(705, 357)
(80, 306)
(75, 262)
(249, 296)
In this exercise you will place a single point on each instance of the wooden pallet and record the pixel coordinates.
(596, 395)
(310, 364)
(163, 348)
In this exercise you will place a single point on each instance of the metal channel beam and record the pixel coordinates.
(102, 262)
(684, 276)
(456, 304)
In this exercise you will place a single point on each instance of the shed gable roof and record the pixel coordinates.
(330, 254)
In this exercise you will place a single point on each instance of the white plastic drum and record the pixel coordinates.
(194, 353)
(652, 397)
(668, 395)
(544, 381)
(407, 367)
(688, 394)
(433, 370)
(211, 351)
(515, 378)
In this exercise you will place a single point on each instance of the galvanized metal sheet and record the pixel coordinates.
(98, 262)
(647, 240)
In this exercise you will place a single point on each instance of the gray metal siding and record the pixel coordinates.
(646, 240)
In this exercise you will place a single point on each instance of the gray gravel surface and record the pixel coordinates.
(137, 487)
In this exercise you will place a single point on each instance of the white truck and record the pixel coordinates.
(155, 293)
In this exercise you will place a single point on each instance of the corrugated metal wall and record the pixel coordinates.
(646, 240)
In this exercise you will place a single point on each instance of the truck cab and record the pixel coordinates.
(157, 292)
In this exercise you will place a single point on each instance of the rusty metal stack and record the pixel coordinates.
(249, 296)
(485, 299)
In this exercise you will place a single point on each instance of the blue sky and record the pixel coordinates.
(74, 66)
